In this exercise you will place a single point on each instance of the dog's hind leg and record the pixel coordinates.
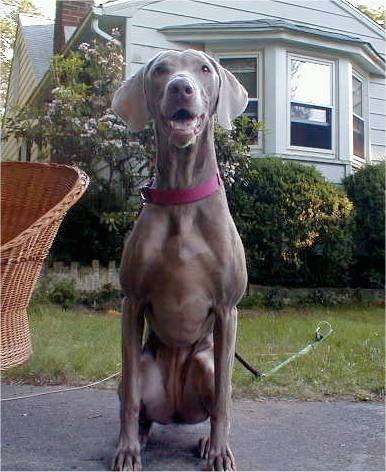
(144, 428)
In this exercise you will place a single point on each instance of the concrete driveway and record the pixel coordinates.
(78, 431)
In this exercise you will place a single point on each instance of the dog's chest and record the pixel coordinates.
(177, 250)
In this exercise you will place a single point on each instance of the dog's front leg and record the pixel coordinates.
(128, 456)
(220, 456)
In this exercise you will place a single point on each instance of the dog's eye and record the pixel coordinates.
(159, 70)
(205, 68)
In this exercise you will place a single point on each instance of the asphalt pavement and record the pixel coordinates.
(79, 430)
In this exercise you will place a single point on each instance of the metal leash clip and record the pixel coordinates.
(145, 192)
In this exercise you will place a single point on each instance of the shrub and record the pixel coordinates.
(294, 224)
(63, 293)
(94, 229)
(106, 297)
(366, 190)
(328, 297)
(251, 301)
(275, 299)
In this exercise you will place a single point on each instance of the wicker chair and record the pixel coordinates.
(34, 199)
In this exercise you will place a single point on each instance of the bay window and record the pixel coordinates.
(311, 103)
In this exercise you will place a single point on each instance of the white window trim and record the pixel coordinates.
(365, 116)
(309, 150)
(258, 55)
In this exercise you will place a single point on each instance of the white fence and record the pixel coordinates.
(87, 278)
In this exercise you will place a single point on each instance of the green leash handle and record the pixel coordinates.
(320, 336)
(322, 332)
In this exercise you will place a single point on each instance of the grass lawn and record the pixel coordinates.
(79, 346)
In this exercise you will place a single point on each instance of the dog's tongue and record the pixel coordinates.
(183, 125)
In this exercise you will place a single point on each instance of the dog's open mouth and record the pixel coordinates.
(183, 122)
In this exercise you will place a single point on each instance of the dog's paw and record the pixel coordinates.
(221, 458)
(127, 458)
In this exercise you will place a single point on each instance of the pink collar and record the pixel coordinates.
(181, 196)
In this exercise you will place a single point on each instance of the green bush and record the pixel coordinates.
(294, 224)
(63, 293)
(278, 298)
(251, 301)
(275, 299)
(326, 297)
(366, 189)
(106, 297)
(95, 228)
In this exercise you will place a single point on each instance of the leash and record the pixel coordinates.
(320, 335)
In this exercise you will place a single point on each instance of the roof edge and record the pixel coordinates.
(252, 25)
(353, 10)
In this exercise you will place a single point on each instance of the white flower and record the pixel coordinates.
(84, 47)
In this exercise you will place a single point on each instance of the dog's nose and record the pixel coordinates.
(181, 86)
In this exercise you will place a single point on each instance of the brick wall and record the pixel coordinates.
(69, 15)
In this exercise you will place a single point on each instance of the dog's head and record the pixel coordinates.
(180, 91)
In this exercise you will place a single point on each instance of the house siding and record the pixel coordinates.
(146, 40)
(378, 119)
(21, 83)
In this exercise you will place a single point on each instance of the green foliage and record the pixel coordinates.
(63, 293)
(76, 126)
(96, 227)
(279, 298)
(294, 225)
(101, 299)
(251, 301)
(376, 14)
(274, 298)
(232, 148)
(366, 190)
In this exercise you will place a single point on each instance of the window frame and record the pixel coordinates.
(258, 55)
(365, 116)
(333, 68)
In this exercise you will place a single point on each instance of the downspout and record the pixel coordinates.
(97, 12)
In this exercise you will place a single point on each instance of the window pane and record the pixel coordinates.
(358, 137)
(307, 113)
(311, 82)
(310, 126)
(357, 98)
(251, 109)
(245, 70)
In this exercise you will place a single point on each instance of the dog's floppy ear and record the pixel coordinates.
(232, 98)
(129, 101)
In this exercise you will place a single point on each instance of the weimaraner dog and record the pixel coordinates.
(183, 266)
